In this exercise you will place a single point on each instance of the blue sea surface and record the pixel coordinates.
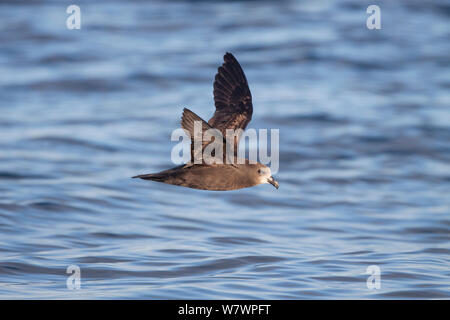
(364, 122)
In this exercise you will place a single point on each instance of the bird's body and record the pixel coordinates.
(216, 177)
(234, 110)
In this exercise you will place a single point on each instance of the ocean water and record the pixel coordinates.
(364, 172)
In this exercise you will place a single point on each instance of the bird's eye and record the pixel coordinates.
(259, 171)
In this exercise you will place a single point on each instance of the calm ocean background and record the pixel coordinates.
(364, 173)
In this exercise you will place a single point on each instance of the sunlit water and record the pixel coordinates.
(364, 174)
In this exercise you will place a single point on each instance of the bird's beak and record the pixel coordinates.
(272, 181)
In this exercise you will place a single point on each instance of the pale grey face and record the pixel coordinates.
(265, 176)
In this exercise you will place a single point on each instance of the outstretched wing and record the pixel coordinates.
(232, 97)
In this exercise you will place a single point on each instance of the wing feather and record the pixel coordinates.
(188, 121)
(232, 97)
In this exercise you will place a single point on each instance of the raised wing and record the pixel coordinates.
(232, 97)
(188, 122)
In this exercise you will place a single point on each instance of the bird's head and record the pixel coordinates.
(265, 175)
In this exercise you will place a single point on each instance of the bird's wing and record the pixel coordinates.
(188, 121)
(232, 98)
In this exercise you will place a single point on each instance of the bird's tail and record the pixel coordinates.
(150, 176)
(162, 176)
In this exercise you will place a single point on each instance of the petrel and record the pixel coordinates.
(234, 109)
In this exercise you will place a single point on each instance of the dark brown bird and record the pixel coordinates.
(234, 109)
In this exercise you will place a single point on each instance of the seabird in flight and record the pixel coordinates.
(234, 109)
